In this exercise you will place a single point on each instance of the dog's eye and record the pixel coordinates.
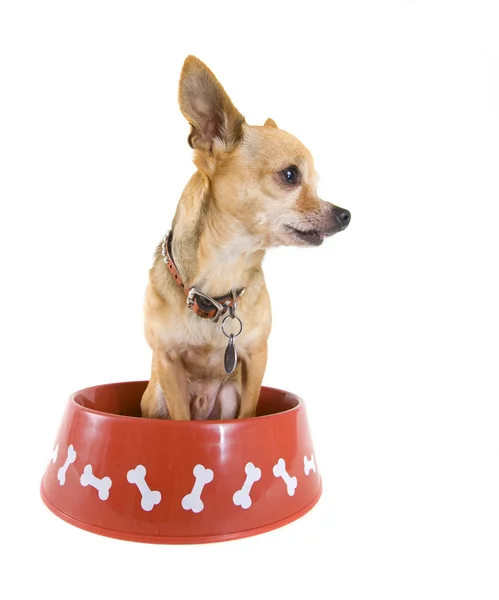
(290, 175)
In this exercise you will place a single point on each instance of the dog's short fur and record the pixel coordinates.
(254, 188)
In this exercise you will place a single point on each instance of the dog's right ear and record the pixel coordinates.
(208, 108)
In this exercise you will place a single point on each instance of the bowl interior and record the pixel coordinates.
(124, 399)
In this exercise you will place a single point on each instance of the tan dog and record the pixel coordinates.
(255, 188)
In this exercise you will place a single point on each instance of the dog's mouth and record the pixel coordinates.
(312, 237)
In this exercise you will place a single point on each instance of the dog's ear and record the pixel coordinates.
(271, 123)
(208, 108)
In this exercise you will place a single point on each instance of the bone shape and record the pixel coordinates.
(149, 497)
(309, 465)
(242, 497)
(53, 454)
(193, 500)
(71, 457)
(101, 485)
(279, 470)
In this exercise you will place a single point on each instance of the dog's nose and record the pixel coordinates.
(342, 216)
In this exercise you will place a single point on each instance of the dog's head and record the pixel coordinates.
(262, 175)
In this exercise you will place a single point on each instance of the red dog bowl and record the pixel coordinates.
(179, 482)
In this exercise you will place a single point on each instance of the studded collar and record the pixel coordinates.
(204, 306)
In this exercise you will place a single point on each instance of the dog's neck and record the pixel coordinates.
(212, 250)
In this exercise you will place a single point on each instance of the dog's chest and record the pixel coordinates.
(204, 363)
(202, 343)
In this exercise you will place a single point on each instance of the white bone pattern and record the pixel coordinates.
(53, 454)
(309, 465)
(149, 497)
(193, 500)
(71, 457)
(242, 497)
(101, 485)
(279, 470)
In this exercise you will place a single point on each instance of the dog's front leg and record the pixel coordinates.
(253, 366)
(171, 375)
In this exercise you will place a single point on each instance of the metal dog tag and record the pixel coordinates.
(230, 358)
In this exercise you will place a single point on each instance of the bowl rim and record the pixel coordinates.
(191, 423)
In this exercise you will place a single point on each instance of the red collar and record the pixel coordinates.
(204, 306)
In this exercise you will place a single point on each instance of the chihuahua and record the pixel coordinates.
(207, 309)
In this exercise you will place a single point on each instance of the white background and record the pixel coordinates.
(396, 347)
